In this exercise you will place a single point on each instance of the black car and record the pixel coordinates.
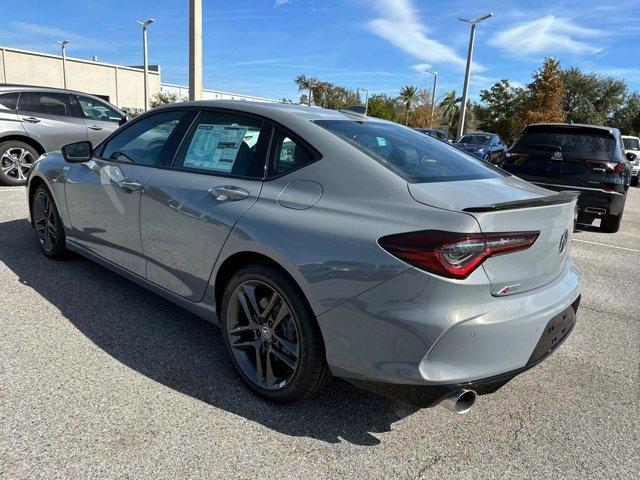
(587, 158)
(487, 146)
(433, 132)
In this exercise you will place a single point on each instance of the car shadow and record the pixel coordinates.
(181, 351)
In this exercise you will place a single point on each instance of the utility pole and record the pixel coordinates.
(195, 50)
(63, 45)
(145, 61)
(465, 90)
(433, 93)
(366, 100)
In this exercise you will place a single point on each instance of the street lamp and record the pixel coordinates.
(463, 108)
(433, 93)
(144, 26)
(366, 100)
(63, 44)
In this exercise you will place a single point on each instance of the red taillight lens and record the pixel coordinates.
(453, 255)
(615, 167)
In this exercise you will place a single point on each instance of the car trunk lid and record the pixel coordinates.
(504, 205)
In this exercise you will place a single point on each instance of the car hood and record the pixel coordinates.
(470, 147)
(475, 193)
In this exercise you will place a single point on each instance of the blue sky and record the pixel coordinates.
(259, 46)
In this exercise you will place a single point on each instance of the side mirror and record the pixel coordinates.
(631, 156)
(78, 152)
(125, 119)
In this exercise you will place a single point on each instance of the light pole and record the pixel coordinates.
(144, 26)
(433, 93)
(195, 50)
(311, 85)
(463, 108)
(63, 45)
(366, 100)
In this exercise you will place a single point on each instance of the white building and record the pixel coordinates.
(183, 93)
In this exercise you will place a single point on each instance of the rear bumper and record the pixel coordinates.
(419, 330)
(593, 201)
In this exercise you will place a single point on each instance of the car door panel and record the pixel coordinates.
(104, 206)
(184, 226)
(101, 119)
(51, 119)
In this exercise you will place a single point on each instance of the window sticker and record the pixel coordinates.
(214, 147)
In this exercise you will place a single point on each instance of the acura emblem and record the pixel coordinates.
(563, 241)
(556, 156)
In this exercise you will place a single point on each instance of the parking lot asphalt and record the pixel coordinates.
(103, 379)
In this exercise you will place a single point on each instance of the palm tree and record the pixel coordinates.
(450, 106)
(408, 97)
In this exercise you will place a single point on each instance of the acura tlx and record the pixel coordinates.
(324, 244)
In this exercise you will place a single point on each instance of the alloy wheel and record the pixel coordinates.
(16, 163)
(45, 221)
(263, 335)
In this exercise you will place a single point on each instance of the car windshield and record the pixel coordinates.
(579, 143)
(415, 157)
(475, 139)
(632, 143)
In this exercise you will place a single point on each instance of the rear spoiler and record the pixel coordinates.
(566, 196)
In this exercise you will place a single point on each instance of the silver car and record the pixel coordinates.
(324, 244)
(36, 120)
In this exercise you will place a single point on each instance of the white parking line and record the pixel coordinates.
(607, 245)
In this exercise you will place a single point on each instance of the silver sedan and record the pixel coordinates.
(324, 244)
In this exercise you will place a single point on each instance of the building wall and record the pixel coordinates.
(123, 86)
(183, 93)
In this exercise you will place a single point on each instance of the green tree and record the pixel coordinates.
(546, 95)
(627, 118)
(501, 109)
(384, 107)
(409, 96)
(450, 108)
(592, 98)
(164, 98)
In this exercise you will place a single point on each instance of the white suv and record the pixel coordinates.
(632, 145)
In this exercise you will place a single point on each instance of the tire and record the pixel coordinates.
(611, 223)
(16, 161)
(257, 324)
(47, 224)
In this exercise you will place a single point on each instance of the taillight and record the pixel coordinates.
(454, 255)
(615, 167)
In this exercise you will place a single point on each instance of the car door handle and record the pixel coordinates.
(31, 119)
(229, 193)
(129, 186)
(95, 127)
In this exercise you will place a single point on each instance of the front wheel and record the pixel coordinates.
(16, 162)
(611, 223)
(47, 224)
(272, 336)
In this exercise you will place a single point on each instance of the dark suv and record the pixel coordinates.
(586, 158)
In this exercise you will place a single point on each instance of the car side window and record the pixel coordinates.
(95, 110)
(9, 100)
(144, 142)
(288, 154)
(224, 143)
(59, 104)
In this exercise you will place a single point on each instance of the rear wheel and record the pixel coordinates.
(16, 162)
(611, 223)
(47, 223)
(272, 336)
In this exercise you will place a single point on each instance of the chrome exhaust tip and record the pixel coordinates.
(461, 401)
(596, 210)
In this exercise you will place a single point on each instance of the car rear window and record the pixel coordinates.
(584, 144)
(416, 157)
(631, 143)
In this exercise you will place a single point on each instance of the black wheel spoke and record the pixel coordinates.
(282, 314)
(286, 359)
(271, 379)
(290, 348)
(272, 303)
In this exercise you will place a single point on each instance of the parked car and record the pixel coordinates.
(487, 146)
(36, 120)
(416, 269)
(587, 158)
(434, 132)
(632, 145)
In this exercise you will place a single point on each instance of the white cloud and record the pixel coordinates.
(399, 24)
(421, 67)
(546, 35)
(22, 30)
(279, 3)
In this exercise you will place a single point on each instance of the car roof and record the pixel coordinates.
(277, 111)
(630, 136)
(573, 125)
(15, 87)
